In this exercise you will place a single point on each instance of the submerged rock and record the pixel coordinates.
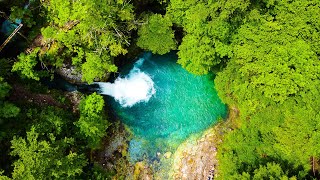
(142, 171)
(167, 155)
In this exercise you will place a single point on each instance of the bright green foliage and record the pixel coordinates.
(42, 159)
(299, 19)
(267, 50)
(297, 138)
(270, 65)
(244, 149)
(92, 123)
(26, 65)
(273, 78)
(280, 134)
(90, 32)
(156, 35)
(95, 67)
(268, 72)
(270, 171)
(209, 27)
(2, 177)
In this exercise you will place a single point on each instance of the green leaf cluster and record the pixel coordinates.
(26, 65)
(273, 78)
(208, 27)
(43, 159)
(22, 13)
(89, 32)
(157, 35)
(7, 109)
(92, 123)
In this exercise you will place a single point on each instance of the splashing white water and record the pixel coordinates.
(136, 87)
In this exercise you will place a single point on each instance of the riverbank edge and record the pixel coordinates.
(196, 157)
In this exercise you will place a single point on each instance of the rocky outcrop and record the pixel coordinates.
(196, 157)
(70, 74)
(73, 75)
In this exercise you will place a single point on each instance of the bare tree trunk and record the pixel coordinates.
(313, 169)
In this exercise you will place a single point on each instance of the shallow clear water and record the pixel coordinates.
(183, 104)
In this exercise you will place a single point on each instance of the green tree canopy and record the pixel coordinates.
(209, 27)
(3, 177)
(26, 65)
(273, 78)
(156, 35)
(45, 159)
(280, 134)
(87, 33)
(90, 31)
(92, 122)
(271, 64)
(270, 171)
(7, 109)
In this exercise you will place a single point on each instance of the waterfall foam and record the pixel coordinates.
(136, 87)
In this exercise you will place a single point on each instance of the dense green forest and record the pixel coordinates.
(265, 54)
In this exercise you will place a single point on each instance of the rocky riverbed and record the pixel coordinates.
(196, 157)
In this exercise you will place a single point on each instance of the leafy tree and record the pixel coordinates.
(51, 120)
(42, 159)
(7, 110)
(92, 123)
(270, 171)
(270, 65)
(89, 32)
(4, 88)
(24, 14)
(267, 138)
(272, 77)
(297, 138)
(94, 67)
(156, 35)
(245, 148)
(2, 177)
(209, 27)
(5, 67)
(26, 65)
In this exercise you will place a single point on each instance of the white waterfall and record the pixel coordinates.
(135, 87)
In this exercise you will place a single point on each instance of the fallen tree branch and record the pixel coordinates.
(10, 37)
